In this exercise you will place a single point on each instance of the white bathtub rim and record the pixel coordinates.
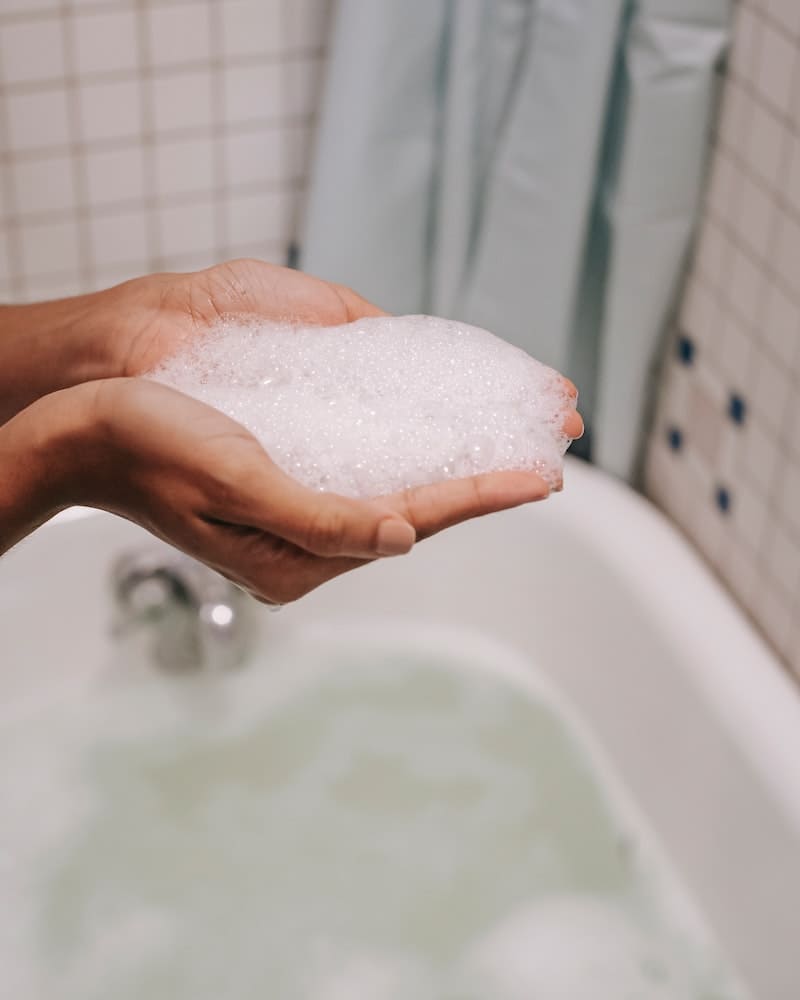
(732, 666)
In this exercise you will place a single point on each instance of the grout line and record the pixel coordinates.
(77, 149)
(288, 185)
(218, 135)
(249, 126)
(10, 231)
(147, 140)
(167, 72)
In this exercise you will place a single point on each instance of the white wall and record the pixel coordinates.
(724, 459)
(139, 135)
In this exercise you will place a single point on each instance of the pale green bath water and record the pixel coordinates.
(393, 826)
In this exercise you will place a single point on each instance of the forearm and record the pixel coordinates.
(39, 449)
(49, 346)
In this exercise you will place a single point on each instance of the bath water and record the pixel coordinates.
(350, 819)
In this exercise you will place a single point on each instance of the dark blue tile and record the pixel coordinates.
(737, 408)
(686, 349)
(675, 438)
(723, 499)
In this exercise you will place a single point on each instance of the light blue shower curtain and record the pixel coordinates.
(531, 166)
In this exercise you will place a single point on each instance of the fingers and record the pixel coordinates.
(283, 569)
(433, 508)
(573, 424)
(324, 524)
(356, 306)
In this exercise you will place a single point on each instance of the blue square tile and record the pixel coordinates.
(737, 408)
(723, 499)
(686, 349)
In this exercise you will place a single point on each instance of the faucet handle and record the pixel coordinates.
(198, 619)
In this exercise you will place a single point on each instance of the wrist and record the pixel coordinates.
(44, 452)
(48, 346)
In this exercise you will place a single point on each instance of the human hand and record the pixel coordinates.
(127, 330)
(197, 479)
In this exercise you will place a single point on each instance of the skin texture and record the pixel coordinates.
(80, 428)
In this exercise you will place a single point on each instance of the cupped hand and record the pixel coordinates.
(200, 481)
(157, 314)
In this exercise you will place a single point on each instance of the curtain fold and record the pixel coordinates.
(531, 166)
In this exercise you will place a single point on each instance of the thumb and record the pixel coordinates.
(326, 524)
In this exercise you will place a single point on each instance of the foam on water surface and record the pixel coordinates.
(381, 404)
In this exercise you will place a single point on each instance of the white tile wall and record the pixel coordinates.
(137, 135)
(724, 458)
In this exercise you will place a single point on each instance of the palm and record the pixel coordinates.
(165, 311)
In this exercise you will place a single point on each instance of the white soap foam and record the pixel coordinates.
(382, 404)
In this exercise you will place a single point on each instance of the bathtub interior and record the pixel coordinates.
(505, 591)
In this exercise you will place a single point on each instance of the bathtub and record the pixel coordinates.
(604, 597)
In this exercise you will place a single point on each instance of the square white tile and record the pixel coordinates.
(746, 286)
(44, 185)
(186, 229)
(786, 13)
(111, 109)
(29, 6)
(270, 252)
(759, 459)
(183, 101)
(184, 165)
(115, 175)
(780, 329)
(105, 41)
(782, 557)
(252, 27)
(713, 252)
(723, 190)
(37, 120)
(792, 189)
(787, 253)
(254, 93)
(118, 239)
(749, 515)
(179, 34)
(255, 157)
(756, 218)
(41, 287)
(772, 389)
(255, 218)
(789, 494)
(32, 50)
(699, 312)
(49, 247)
(766, 144)
(776, 67)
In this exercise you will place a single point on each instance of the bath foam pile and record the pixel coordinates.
(381, 404)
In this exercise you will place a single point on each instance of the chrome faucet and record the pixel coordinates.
(196, 619)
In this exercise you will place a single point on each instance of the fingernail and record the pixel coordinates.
(395, 537)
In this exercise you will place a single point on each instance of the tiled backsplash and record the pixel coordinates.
(724, 459)
(138, 135)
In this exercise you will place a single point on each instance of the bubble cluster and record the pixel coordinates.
(382, 404)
